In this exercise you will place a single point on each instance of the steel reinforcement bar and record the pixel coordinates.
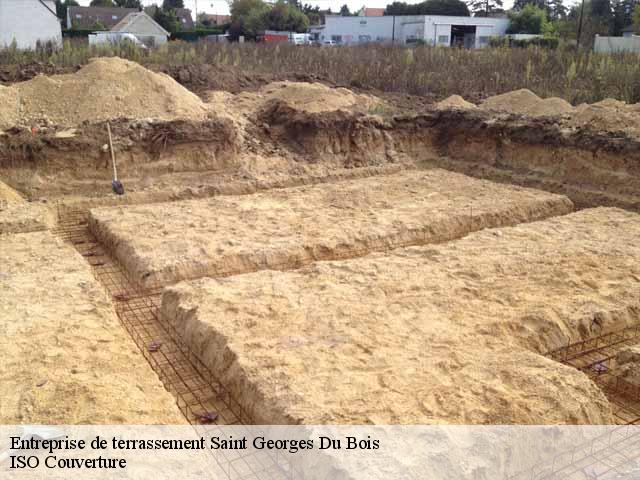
(201, 398)
(595, 357)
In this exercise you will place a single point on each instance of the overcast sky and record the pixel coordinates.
(222, 7)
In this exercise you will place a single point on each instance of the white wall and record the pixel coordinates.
(28, 21)
(616, 44)
(433, 29)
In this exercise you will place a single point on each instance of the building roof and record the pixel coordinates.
(216, 19)
(372, 12)
(134, 22)
(87, 17)
(182, 14)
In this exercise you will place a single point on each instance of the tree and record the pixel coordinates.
(556, 9)
(61, 8)
(172, 4)
(167, 19)
(636, 18)
(429, 7)
(102, 3)
(344, 11)
(251, 17)
(129, 4)
(483, 8)
(530, 19)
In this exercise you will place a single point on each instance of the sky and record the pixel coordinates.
(221, 7)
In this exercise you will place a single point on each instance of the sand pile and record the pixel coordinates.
(608, 115)
(525, 102)
(106, 88)
(315, 97)
(628, 364)
(455, 101)
(8, 107)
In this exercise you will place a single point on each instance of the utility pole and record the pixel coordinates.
(580, 26)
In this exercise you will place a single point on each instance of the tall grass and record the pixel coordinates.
(576, 76)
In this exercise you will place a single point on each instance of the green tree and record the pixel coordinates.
(635, 18)
(62, 6)
(344, 11)
(101, 3)
(172, 4)
(129, 4)
(429, 7)
(484, 8)
(247, 17)
(167, 19)
(530, 19)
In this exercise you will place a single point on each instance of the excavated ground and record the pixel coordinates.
(283, 229)
(444, 333)
(493, 300)
(65, 357)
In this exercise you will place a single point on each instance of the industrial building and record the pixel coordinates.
(29, 23)
(469, 32)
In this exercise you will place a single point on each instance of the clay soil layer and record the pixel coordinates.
(448, 333)
(65, 358)
(287, 228)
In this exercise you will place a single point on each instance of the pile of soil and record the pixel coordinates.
(628, 364)
(455, 101)
(105, 89)
(8, 107)
(525, 102)
(316, 97)
(608, 115)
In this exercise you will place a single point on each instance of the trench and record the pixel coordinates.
(201, 398)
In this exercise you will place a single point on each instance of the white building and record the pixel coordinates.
(138, 27)
(29, 22)
(470, 32)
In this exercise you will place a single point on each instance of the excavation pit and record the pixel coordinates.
(65, 357)
(282, 229)
(449, 333)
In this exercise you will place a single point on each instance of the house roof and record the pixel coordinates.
(182, 14)
(132, 23)
(87, 17)
(373, 12)
(217, 19)
(49, 5)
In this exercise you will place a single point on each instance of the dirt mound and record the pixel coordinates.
(608, 115)
(316, 97)
(106, 88)
(455, 101)
(8, 107)
(551, 106)
(525, 102)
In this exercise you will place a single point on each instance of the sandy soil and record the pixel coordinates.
(283, 229)
(444, 333)
(107, 88)
(65, 357)
(8, 194)
(17, 217)
(525, 102)
(455, 101)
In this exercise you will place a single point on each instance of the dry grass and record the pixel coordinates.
(576, 76)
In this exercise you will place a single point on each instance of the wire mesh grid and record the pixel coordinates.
(595, 357)
(201, 398)
(605, 457)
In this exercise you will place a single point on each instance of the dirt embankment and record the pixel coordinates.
(48, 160)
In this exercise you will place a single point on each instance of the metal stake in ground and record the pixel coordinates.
(117, 186)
